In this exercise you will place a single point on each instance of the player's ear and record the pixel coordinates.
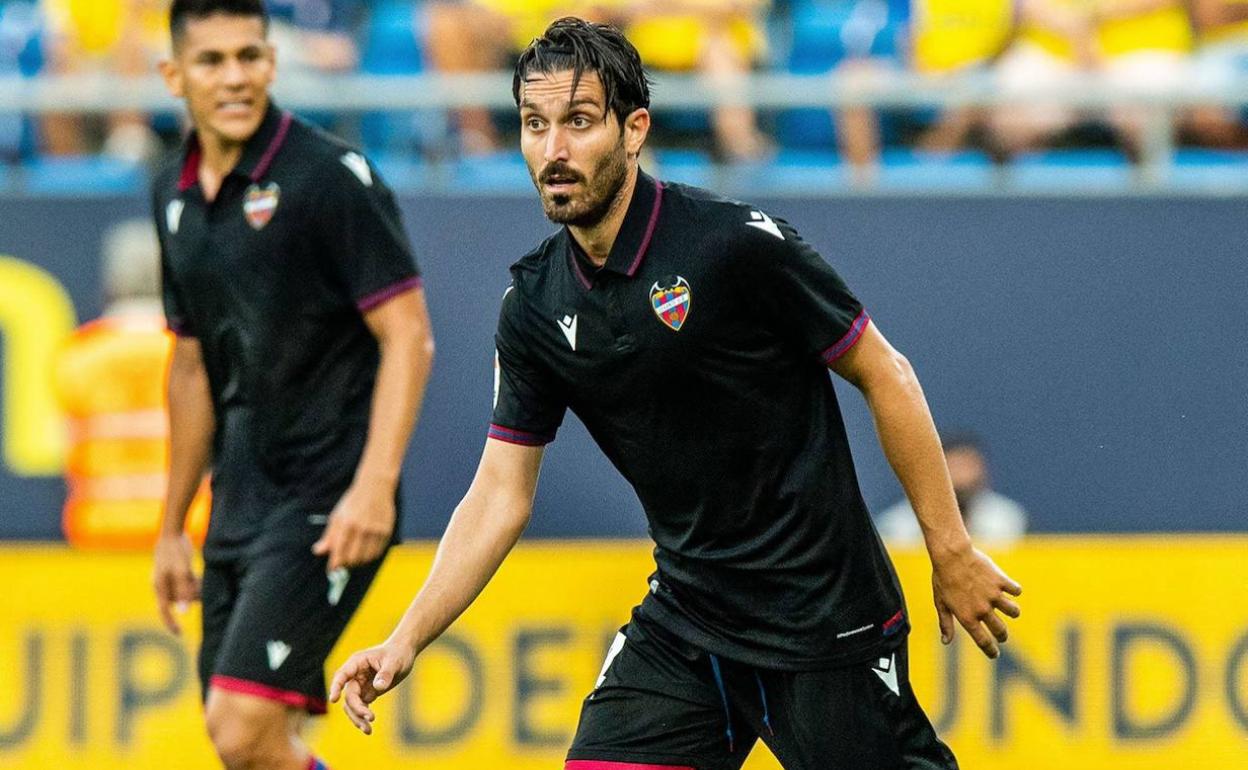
(636, 129)
(172, 75)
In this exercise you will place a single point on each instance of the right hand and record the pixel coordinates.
(173, 578)
(366, 676)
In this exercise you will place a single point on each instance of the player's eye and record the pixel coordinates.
(533, 124)
(580, 121)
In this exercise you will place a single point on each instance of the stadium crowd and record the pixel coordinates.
(1024, 47)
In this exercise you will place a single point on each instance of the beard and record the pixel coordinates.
(598, 193)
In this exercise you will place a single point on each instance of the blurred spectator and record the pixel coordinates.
(1140, 46)
(110, 380)
(720, 38)
(937, 38)
(316, 35)
(114, 37)
(1220, 61)
(20, 54)
(992, 518)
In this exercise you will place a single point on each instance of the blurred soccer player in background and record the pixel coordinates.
(693, 335)
(302, 354)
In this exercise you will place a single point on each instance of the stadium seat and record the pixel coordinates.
(402, 172)
(500, 172)
(21, 54)
(1209, 170)
(907, 169)
(693, 167)
(82, 176)
(1067, 170)
(394, 45)
(790, 172)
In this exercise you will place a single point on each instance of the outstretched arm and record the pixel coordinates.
(966, 584)
(484, 528)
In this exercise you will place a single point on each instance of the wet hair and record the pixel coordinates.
(581, 46)
(183, 11)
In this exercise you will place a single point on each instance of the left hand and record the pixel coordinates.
(967, 585)
(359, 527)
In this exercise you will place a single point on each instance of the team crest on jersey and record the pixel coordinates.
(670, 299)
(260, 203)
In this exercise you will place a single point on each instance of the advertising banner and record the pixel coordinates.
(1132, 652)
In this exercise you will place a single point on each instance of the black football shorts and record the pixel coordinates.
(662, 703)
(270, 621)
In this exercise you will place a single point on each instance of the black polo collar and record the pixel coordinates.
(636, 232)
(258, 154)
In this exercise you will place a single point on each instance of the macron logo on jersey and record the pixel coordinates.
(278, 652)
(887, 672)
(173, 215)
(760, 221)
(337, 584)
(567, 325)
(358, 166)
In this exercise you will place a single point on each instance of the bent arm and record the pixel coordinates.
(908, 437)
(483, 530)
(191, 428)
(401, 327)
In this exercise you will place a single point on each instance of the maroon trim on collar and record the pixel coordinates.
(190, 166)
(279, 138)
(654, 221)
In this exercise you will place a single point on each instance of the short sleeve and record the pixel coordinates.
(528, 407)
(359, 227)
(176, 317)
(799, 293)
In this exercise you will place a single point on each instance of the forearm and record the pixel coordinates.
(482, 531)
(912, 446)
(401, 378)
(191, 427)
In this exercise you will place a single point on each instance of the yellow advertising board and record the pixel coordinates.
(1132, 653)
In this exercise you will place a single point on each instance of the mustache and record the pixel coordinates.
(559, 171)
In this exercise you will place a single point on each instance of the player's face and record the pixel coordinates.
(576, 150)
(223, 66)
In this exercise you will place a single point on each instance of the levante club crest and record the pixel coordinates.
(260, 203)
(670, 299)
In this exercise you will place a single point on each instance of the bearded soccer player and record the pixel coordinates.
(303, 348)
(693, 336)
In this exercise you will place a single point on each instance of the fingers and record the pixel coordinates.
(167, 616)
(1011, 587)
(356, 710)
(348, 671)
(946, 622)
(1008, 607)
(385, 677)
(329, 539)
(997, 626)
(983, 639)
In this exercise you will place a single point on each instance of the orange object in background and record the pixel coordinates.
(110, 379)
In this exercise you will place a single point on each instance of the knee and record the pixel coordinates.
(241, 741)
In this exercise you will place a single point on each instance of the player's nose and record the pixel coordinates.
(556, 145)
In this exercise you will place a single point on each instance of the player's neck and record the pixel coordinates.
(596, 240)
(218, 157)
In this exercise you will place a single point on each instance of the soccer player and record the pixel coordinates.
(302, 352)
(693, 335)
